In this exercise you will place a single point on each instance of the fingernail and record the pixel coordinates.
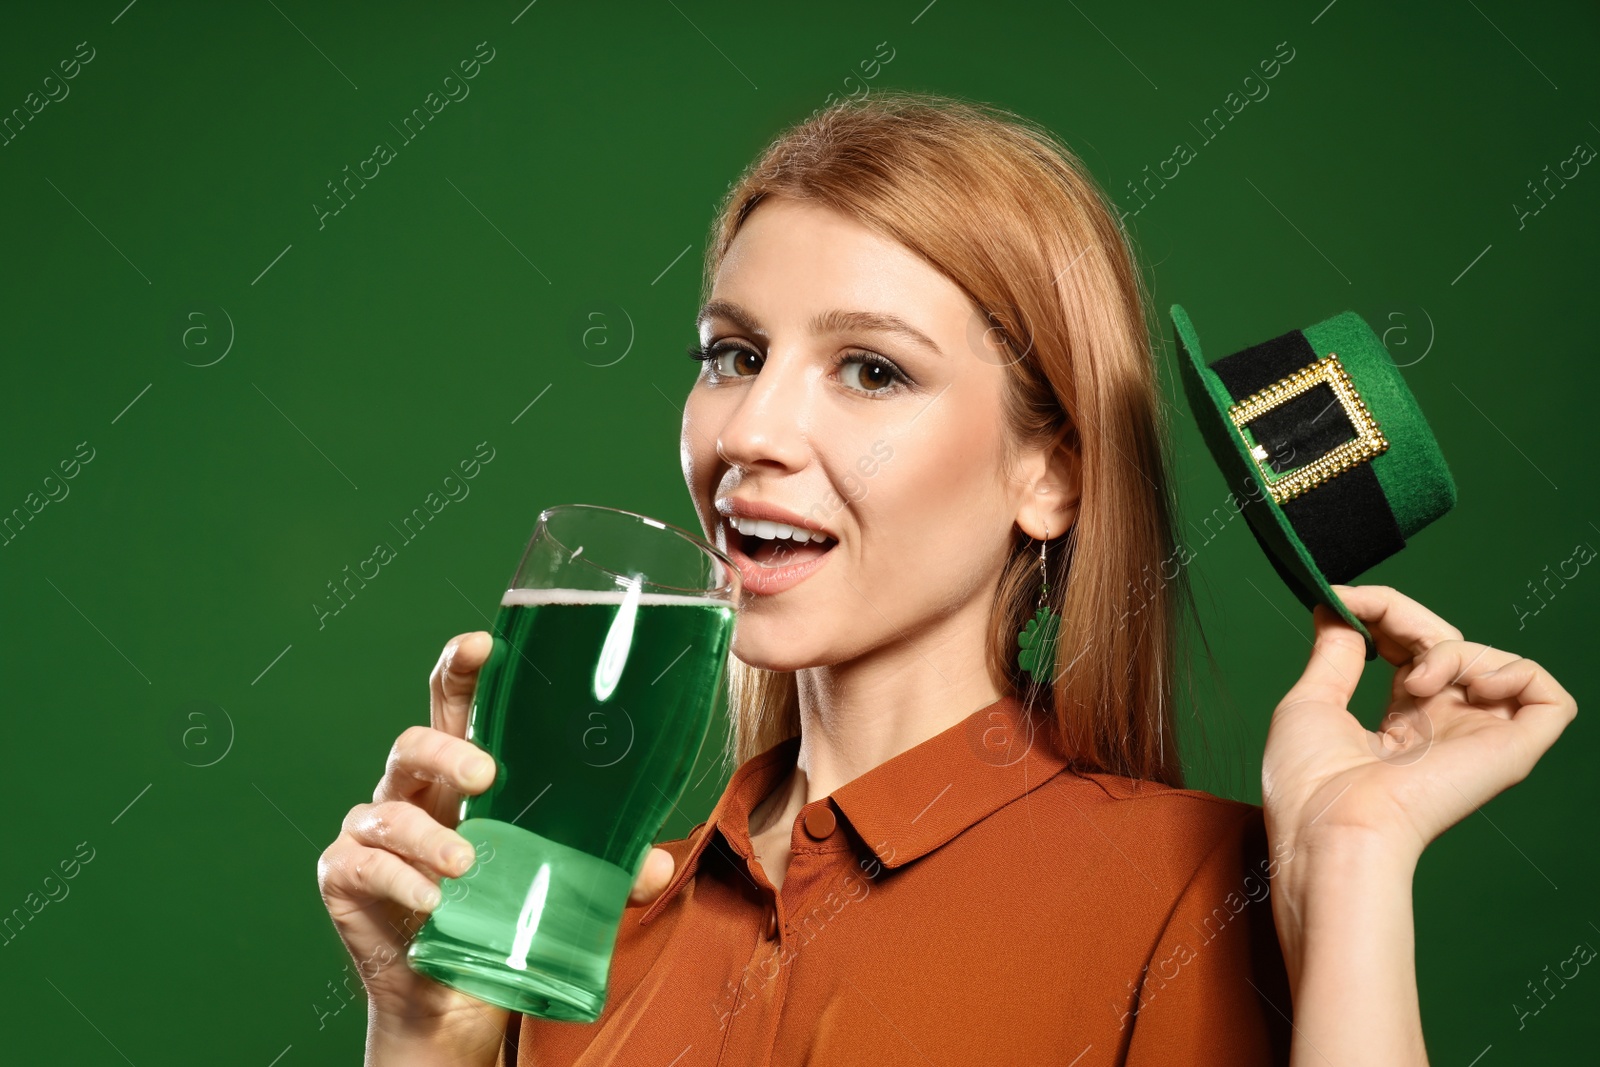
(429, 898)
(476, 768)
(459, 857)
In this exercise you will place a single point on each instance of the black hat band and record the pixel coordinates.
(1344, 521)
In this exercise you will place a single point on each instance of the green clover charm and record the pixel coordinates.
(1038, 643)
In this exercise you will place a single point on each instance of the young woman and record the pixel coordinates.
(924, 362)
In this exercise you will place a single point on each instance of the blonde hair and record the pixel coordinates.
(1010, 214)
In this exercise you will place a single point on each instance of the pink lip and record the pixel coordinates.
(765, 581)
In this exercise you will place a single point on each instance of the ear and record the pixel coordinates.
(1051, 487)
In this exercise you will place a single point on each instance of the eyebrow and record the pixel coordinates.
(834, 321)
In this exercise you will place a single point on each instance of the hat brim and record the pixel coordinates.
(1209, 399)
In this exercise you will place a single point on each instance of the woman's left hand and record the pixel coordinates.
(1464, 722)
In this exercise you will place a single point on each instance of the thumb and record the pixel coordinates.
(455, 679)
(1337, 656)
(654, 874)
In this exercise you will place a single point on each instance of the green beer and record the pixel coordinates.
(594, 704)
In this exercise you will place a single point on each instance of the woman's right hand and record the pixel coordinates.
(380, 878)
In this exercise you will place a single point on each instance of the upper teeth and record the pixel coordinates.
(775, 530)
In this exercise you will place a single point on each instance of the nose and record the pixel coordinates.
(768, 426)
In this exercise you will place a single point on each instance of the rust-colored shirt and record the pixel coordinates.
(972, 900)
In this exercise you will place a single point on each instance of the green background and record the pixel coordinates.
(171, 591)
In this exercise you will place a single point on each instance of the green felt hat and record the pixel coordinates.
(1322, 438)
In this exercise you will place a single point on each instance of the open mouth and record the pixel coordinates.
(774, 544)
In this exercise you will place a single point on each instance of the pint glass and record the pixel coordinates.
(609, 648)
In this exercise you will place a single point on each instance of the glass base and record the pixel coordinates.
(485, 977)
(530, 927)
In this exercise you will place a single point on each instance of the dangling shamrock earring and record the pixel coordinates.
(1038, 639)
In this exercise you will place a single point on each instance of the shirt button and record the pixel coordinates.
(820, 822)
(772, 922)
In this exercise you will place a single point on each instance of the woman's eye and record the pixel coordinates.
(859, 372)
(866, 375)
(728, 362)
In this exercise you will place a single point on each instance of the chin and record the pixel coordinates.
(775, 654)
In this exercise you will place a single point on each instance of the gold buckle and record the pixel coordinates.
(1368, 442)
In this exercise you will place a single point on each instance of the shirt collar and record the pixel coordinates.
(908, 805)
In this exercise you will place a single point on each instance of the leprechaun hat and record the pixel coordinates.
(1338, 467)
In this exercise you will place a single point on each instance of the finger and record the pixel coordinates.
(359, 873)
(1337, 656)
(653, 877)
(1546, 707)
(453, 680)
(1401, 628)
(412, 834)
(1453, 663)
(423, 756)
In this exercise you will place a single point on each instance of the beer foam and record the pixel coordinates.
(536, 597)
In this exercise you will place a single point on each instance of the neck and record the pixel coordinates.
(859, 714)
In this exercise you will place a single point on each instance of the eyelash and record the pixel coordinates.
(708, 353)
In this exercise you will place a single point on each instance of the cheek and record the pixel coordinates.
(932, 501)
(705, 414)
(942, 475)
(697, 450)
(935, 509)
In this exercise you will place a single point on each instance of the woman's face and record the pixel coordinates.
(855, 393)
